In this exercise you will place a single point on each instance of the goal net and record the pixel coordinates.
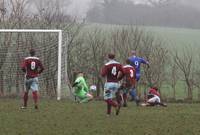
(50, 48)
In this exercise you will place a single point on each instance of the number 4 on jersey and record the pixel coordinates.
(114, 71)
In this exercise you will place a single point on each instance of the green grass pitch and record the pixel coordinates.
(68, 118)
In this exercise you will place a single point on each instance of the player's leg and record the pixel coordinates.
(25, 96)
(134, 96)
(86, 98)
(133, 91)
(89, 96)
(34, 88)
(107, 98)
(119, 97)
(153, 101)
(109, 95)
(125, 96)
(25, 100)
(161, 104)
(158, 102)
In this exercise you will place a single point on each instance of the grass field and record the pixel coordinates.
(174, 38)
(68, 118)
(177, 38)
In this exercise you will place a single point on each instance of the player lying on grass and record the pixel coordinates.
(128, 83)
(153, 98)
(81, 89)
(32, 67)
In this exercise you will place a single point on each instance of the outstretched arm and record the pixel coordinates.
(74, 84)
(145, 62)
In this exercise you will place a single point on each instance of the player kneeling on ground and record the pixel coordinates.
(154, 98)
(81, 89)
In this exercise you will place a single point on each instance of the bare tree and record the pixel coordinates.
(155, 52)
(125, 39)
(196, 78)
(98, 47)
(184, 62)
(174, 79)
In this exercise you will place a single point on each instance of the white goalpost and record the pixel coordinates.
(59, 32)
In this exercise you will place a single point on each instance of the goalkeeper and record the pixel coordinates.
(81, 89)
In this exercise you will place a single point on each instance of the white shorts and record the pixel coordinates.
(110, 90)
(32, 83)
(154, 99)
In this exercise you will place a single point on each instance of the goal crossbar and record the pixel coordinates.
(59, 49)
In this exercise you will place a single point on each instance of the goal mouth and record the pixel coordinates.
(14, 47)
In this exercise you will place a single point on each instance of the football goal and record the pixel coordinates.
(50, 48)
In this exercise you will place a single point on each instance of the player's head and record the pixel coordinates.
(128, 61)
(133, 52)
(32, 52)
(111, 56)
(155, 88)
(80, 73)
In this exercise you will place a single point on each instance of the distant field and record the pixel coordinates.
(175, 38)
(68, 118)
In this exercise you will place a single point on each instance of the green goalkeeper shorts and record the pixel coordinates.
(82, 94)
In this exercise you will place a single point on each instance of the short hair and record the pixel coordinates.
(155, 88)
(133, 52)
(79, 72)
(32, 52)
(128, 61)
(111, 56)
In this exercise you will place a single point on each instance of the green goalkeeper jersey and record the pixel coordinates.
(81, 88)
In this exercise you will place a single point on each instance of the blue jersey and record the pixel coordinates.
(136, 61)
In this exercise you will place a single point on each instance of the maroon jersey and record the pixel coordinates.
(32, 66)
(154, 92)
(110, 70)
(129, 76)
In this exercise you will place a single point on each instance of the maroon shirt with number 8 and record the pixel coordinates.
(32, 66)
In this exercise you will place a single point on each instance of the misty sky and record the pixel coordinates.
(79, 8)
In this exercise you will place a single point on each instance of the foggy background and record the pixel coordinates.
(169, 13)
(165, 13)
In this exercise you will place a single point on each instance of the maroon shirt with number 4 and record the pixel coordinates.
(110, 70)
(32, 66)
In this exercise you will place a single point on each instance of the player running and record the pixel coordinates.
(128, 83)
(110, 71)
(154, 98)
(32, 67)
(81, 89)
(136, 62)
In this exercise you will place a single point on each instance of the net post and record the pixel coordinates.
(59, 64)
